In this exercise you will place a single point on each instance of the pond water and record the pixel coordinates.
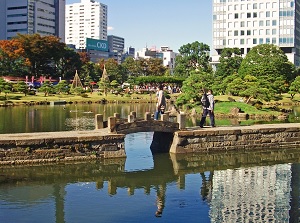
(48, 118)
(253, 186)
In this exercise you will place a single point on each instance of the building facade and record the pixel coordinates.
(116, 46)
(245, 24)
(87, 19)
(164, 53)
(45, 17)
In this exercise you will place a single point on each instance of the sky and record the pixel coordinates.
(156, 23)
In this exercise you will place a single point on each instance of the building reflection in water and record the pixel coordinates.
(255, 194)
(248, 187)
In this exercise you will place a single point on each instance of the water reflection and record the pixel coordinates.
(244, 187)
(46, 118)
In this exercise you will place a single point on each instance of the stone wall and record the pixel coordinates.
(52, 147)
(243, 138)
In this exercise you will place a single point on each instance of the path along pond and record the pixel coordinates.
(256, 186)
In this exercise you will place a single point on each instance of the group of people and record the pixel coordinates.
(207, 100)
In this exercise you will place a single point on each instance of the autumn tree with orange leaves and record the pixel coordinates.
(12, 59)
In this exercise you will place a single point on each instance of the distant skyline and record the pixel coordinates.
(156, 23)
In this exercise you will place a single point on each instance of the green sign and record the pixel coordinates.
(94, 44)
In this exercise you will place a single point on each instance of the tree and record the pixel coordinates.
(295, 87)
(269, 64)
(43, 53)
(130, 67)
(230, 61)
(5, 87)
(62, 87)
(21, 86)
(46, 88)
(68, 63)
(12, 60)
(190, 95)
(193, 56)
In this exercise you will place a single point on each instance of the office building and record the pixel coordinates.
(116, 47)
(45, 17)
(87, 19)
(245, 24)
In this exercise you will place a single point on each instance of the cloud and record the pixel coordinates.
(109, 28)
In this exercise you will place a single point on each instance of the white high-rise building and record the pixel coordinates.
(87, 19)
(45, 17)
(245, 24)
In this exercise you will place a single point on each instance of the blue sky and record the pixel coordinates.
(155, 23)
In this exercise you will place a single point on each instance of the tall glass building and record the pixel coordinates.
(247, 23)
(45, 17)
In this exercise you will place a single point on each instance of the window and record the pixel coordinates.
(274, 40)
(254, 14)
(236, 15)
(248, 32)
(242, 32)
(268, 13)
(236, 33)
(261, 23)
(255, 6)
(267, 32)
(254, 41)
(274, 22)
(242, 41)
(242, 24)
(273, 31)
(267, 40)
(248, 15)
(261, 40)
(268, 22)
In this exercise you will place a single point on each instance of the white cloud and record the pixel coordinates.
(109, 28)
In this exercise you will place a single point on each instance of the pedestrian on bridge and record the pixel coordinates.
(161, 102)
(208, 104)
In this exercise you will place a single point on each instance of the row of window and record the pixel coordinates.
(16, 15)
(256, 41)
(252, 32)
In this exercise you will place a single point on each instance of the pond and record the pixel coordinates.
(44, 118)
(256, 186)
(229, 187)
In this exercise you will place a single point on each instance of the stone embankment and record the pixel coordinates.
(43, 147)
(240, 138)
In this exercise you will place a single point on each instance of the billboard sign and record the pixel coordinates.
(94, 44)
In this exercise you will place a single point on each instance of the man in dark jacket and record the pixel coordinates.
(208, 108)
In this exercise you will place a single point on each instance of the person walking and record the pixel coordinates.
(161, 102)
(208, 104)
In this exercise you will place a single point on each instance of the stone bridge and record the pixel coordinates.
(132, 125)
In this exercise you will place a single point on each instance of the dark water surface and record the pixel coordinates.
(229, 187)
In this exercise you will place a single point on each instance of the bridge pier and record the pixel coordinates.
(161, 142)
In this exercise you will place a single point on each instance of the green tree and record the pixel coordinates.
(295, 87)
(21, 86)
(68, 63)
(191, 88)
(193, 56)
(230, 61)
(62, 87)
(46, 87)
(5, 87)
(270, 65)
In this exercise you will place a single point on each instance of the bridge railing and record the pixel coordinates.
(114, 121)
